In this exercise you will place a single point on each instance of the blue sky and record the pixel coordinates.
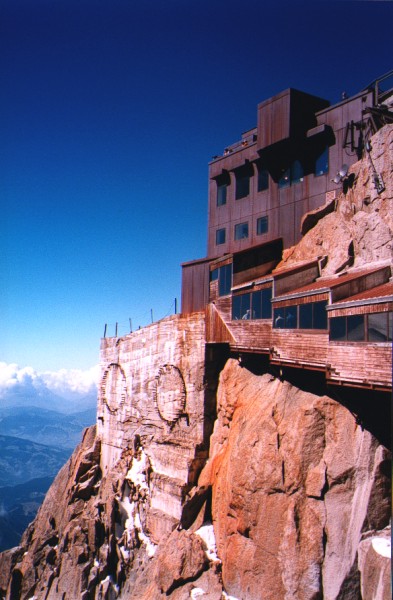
(110, 113)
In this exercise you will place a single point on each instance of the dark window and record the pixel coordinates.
(221, 194)
(338, 329)
(278, 319)
(320, 315)
(225, 280)
(261, 304)
(390, 327)
(243, 177)
(322, 162)
(241, 231)
(305, 316)
(377, 327)
(214, 275)
(262, 225)
(263, 179)
(355, 328)
(241, 307)
(220, 236)
(285, 179)
(291, 317)
(296, 172)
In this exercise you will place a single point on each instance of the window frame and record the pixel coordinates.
(236, 229)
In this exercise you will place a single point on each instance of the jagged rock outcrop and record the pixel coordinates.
(360, 229)
(290, 508)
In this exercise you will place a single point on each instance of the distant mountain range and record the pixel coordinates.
(35, 442)
(44, 426)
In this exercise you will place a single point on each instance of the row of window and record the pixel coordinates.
(303, 316)
(241, 230)
(375, 327)
(292, 175)
(253, 305)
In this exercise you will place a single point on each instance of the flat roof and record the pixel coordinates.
(326, 284)
(380, 293)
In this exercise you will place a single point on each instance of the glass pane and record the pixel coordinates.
(285, 179)
(236, 307)
(263, 179)
(390, 319)
(291, 317)
(266, 303)
(225, 280)
(257, 305)
(242, 186)
(278, 321)
(305, 316)
(338, 329)
(262, 225)
(322, 162)
(241, 231)
(220, 236)
(377, 327)
(355, 328)
(221, 194)
(296, 172)
(245, 306)
(320, 315)
(214, 275)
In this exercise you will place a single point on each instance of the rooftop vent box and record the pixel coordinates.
(287, 115)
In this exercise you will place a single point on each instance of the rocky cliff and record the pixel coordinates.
(210, 477)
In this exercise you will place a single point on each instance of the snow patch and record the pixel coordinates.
(197, 593)
(137, 478)
(382, 546)
(206, 533)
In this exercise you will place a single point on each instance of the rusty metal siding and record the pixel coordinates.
(195, 286)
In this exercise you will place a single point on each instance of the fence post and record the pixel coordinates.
(175, 306)
(116, 330)
(105, 330)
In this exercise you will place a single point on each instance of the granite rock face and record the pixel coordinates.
(290, 508)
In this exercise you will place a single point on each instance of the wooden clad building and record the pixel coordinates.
(260, 190)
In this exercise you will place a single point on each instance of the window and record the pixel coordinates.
(322, 162)
(243, 176)
(296, 172)
(241, 307)
(261, 304)
(262, 225)
(253, 305)
(355, 328)
(241, 231)
(221, 194)
(224, 277)
(338, 329)
(220, 236)
(263, 178)
(222, 182)
(293, 174)
(311, 315)
(375, 327)
(225, 280)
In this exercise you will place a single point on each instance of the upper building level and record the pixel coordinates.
(261, 187)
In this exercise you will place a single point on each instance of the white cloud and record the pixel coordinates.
(66, 383)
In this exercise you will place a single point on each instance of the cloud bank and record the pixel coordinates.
(25, 385)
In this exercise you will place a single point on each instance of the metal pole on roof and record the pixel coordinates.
(105, 330)
(116, 330)
(130, 325)
(151, 314)
(175, 306)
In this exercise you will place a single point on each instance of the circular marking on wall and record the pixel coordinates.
(114, 387)
(170, 393)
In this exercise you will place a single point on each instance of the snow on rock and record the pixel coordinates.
(382, 546)
(206, 533)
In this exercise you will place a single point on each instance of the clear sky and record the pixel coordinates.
(110, 111)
